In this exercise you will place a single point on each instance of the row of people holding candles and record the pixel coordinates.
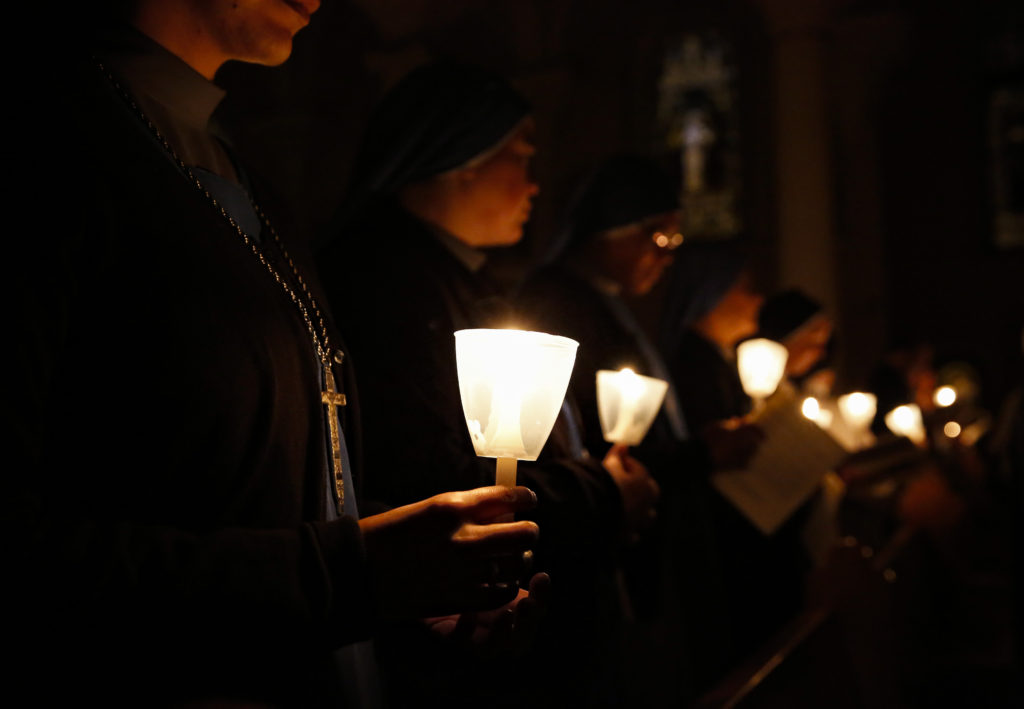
(514, 382)
(658, 584)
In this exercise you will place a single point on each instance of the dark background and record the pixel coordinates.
(864, 139)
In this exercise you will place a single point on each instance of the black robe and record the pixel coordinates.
(762, 577)
(164, 437)
(675, 577)
(415, 294)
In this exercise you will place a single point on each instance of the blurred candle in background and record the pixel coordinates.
(627, 404)
(857, 410)
(761, 363)
(906, 421)
(944, 396)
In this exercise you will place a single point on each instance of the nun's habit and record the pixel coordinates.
(706, 378)
(417, 285)
(761, 577)
(682, 635)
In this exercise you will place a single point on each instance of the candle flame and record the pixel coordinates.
(858, 408)
(811, 408)
(945, 396)
(906, 421)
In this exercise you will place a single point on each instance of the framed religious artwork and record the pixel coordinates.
(699, 124)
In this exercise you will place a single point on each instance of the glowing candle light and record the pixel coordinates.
(811, 409)
(906, 421)
(761, 364)
(944, 396)
(858, 409)
(627, 403)
(512, 383)
(951, 429)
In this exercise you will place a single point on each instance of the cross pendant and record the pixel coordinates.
(332, 399)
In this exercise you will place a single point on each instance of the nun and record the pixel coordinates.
(441, 177)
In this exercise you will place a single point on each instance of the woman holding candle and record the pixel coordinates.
(186, 533)
(714, 305)
(443, 174)
(622, 234)
(798, 321)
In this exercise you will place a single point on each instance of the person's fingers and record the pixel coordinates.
(493, 540)
(540, 589)
(484, 504)
(655, 488)
(501, 632)
(613, 463)
(528, 614)
(488, 597)
(527, 564)
(498, 569)
(618, 450)
(464, 628)
(633, 466)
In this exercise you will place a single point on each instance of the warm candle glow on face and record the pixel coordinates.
(627, 404)
(906, 421)
(761, 364)
(945, 396)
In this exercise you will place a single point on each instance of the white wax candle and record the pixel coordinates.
(630, 388)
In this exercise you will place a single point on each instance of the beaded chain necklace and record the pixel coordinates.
(304, 301)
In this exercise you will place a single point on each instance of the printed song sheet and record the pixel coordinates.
(786, 469)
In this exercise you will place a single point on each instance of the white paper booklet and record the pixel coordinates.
(786, 469)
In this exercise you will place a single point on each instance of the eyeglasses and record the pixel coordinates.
(654, 229)
(667, 242)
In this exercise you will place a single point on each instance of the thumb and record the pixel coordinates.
(619, 450)
(487, 503)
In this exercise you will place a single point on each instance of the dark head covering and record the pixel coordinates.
(624, 189)
(786, 312)
(438, 117)
(702, 273)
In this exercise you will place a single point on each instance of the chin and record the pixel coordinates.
(268, 44)
(276, 55)
(510, 237)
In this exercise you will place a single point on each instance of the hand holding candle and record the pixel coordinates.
(639, 491)
(449, 553)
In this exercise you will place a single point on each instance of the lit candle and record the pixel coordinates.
(761, 363)
(906, 421)
(811, 409)
(627, 404)
(512, 383)
(944, 396)
(858, 410)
